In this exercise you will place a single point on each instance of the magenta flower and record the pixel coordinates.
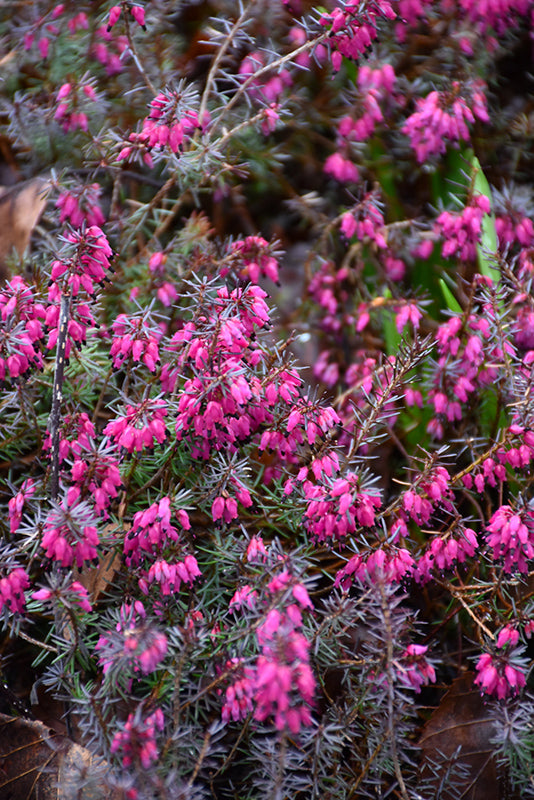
(444, 553)
(240, 694)
(152, 531)
(337, 510)
(134, 337)
(510, 534)
(96, 472)
(341, 168)
(140, 427)
(255, 257)
(256, 550)
(73, 595)
(353, 28)
(70, 99)
(16, 504)
(498, 674)
(138, 13)
(244, 597)
(70, 534)
(413, 670)
(81, 204)
(114, 14)
(12, 585)
(267, 88)
(90, 263)
(284, 684)
(461, 232)
(135, 644)
(21, 330)
(170, 576)
(443, 117)
(136, 741)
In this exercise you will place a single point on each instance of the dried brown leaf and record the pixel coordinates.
(462, 721)
(37, 763)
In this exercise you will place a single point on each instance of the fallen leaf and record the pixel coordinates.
(36, 763)
(20, 208)
(460, 731)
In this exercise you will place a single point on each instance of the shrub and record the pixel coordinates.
(260, 495)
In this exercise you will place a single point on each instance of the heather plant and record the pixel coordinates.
(266, 392)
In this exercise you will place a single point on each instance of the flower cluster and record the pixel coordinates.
(135, 645)
(136, 338)
(443, 117)
(21, 330)
(70, 100)
(372, 439)
(376, 87)
(267, 89)
(502, 673)
(281, 683)
(135, 742)
(413, 670)
(336, 509)
(95, 471)
(89, 265)
(140, 426)
(461, 231)
(12, 586)
(152, 531)
(255, 258)
(510, 533)
(351, 31)
(73, 596)
(170, 123)
(284, 682)
(224, 386)
(80, 204)
(70, 533)
(365, 221)
(444, 552)
(16, 503)
(137, 12)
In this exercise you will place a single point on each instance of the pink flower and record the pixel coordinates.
(89, 264)
(152, 531)
(508, 637)
(114, 14)
(341, 169)
(443, 117)
(351, 33)
(70, 535)
(284, 684)
(510, 534)
(16, 504)
(139, 427)
(365, 221)
(81, 204)
(255, 257)
(497, 675)
(135, 644)
(413, 670)
(12, 585)
(138, 13)
(170, 576)
(136, 741)
(408, 313)
(136, 339)
(462, 231)
(245, 597)
(256, 550)
(68, 595)
(239, 695)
